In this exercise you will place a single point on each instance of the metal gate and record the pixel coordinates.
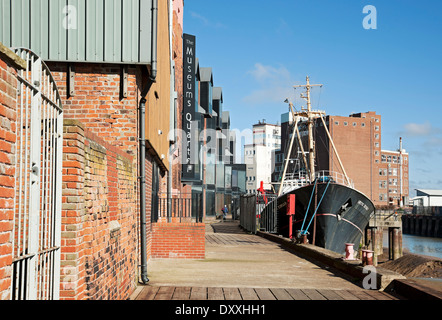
(37, 218)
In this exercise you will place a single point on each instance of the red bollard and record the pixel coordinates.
(349, 252)
(367, 257)
(304, 239)
(364, 257)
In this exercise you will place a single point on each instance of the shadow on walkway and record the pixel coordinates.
(228, 226)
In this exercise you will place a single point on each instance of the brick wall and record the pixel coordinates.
(98, 106)
(97, 102)
(99, 218)
(178, 240)
(9, 63)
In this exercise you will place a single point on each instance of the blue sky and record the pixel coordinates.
(259, 49)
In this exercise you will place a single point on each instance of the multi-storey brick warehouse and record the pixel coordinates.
(357, 139)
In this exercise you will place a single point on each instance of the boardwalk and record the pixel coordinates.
(240, 266)
(217, 293)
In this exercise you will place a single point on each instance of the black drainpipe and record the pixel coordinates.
(142, 142)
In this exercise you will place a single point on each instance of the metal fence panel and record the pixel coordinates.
(248, 211)
(37, 218)
(182, 208)
(268, 217)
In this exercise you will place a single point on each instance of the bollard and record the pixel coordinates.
(349, 252)
(367, 257)
(304, 239)
(364, 257)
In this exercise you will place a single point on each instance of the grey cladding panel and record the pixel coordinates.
(113, 31)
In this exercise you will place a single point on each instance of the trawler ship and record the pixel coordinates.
(329, 211)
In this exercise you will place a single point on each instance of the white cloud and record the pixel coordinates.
(263, 73)
(274, 84)
(266, 95)
(199, 17)
(416, 129)
(206, 21)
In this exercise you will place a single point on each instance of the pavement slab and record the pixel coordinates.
(235, 259)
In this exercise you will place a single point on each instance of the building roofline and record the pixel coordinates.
(266, 124)
(394, 151)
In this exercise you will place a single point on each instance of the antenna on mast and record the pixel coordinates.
(310, 116)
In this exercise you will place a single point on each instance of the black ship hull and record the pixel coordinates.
(342, 215)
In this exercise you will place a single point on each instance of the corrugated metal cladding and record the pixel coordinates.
(113, 31)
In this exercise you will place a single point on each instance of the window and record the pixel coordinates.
(376, 128)
(383, 158)
(354, 124)
(345, 123)
(362, 124)
(337, 123)
(376, 144)
(376, 136)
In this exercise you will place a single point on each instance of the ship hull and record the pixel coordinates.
(342, 215)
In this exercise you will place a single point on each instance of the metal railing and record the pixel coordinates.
(268, 215)
(259, 213)
(336, 177)
(36, 237)
(297, 180)
(182, 208)
(427, 211)
(247, 216)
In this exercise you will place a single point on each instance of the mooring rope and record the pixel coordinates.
(325, 191)
(308, 207)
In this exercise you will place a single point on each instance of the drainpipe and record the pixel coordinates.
(142, 142)
(171, 110)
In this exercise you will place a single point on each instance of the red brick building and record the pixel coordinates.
(105, 244)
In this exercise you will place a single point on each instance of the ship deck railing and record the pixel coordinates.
(297, 180)
(334, 176)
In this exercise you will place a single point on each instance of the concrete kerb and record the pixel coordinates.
(351, 268)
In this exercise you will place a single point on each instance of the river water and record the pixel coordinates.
(419, 245)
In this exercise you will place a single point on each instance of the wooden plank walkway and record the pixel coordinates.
(218, 293)
(229, 249)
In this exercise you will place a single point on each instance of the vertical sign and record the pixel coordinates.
(188, 170)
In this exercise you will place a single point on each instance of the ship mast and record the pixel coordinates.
(310, 115)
